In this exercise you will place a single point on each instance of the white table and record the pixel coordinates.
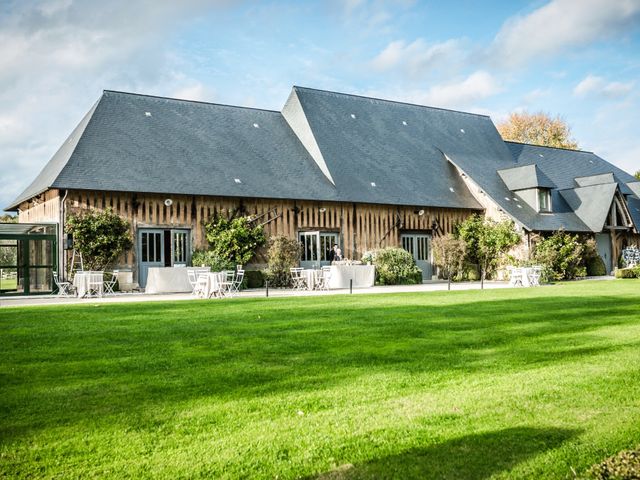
(310, 277)
(363, 276)
(168, 280)
(81, 282)
(213, 286)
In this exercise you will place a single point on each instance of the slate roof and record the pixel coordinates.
(525, 177)
(364, 140)
(140, 143)
(363, 150)
(197, 148)
(571, 168)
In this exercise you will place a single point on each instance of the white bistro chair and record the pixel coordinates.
(322, 281)
(65, 289)
(111, 283)
(235, 288)
(515, 276)
(534, 274)
(297, 279)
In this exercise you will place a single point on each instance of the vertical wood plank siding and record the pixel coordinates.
(361, 226)
(43, 208)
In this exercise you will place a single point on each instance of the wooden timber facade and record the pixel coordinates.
(360, 227)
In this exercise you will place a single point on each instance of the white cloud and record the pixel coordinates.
(460, 94)
(197, 92)
(416, 56)
(598, 86)
(559, 25)
(477, 86)
(58, 56)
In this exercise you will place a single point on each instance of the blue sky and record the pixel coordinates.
(576, 58)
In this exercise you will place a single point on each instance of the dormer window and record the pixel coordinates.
(544, 200)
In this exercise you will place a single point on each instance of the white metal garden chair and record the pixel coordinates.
(515, 276)
(297, 279)
(227, 283)
(193, 279)
(323, 278)
(200, 287)
(65, 289)
(534, 275)
(235, 288)
(110, 284)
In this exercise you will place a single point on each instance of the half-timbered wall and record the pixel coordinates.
(361, 226)
(42, 208)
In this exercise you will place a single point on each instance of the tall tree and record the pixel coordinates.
(538, 129)
(8, 218)
(637, 175)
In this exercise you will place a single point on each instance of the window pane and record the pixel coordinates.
(40, 280)
(8, 253)
(9, 279)
(158, 256)
(143, 247)
(40, 252)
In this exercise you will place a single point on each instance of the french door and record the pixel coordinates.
(419, 246)
(316, 247)
(161, 248)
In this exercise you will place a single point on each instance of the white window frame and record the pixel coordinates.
(547, 193)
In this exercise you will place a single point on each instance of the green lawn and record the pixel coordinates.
(518, 383)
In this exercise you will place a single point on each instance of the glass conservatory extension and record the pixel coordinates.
(28, 258)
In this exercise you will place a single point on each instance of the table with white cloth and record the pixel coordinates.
(81, 282)
(169, 280)
(310, 277)
(214, 284)
(362, 275)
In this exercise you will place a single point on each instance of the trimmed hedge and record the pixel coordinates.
(623, 466)
(253, 279)
(628, 272)
(596, 267)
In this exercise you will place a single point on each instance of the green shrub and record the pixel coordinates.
(487, 242)
(470, 272)
(209, 258)
(101, 236)
(627, 272)
(283, 255)
(623, 466)
(395, 266)
(560, 256)
(448, 253)
(253, 279)
(235, 240)
(596, 267)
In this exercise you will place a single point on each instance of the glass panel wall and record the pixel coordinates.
(28, 258)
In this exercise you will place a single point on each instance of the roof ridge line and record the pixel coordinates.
(546, 146)
(398, 102)
(189, 101)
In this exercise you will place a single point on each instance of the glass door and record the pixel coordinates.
(316, 248)
(419, 246)
(310, 242)
(179, 248)
(150, 252)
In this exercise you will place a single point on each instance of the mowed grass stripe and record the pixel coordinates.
(523, 383)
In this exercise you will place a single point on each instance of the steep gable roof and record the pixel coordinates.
(395, 146)
(591, 203)
(141, 143)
